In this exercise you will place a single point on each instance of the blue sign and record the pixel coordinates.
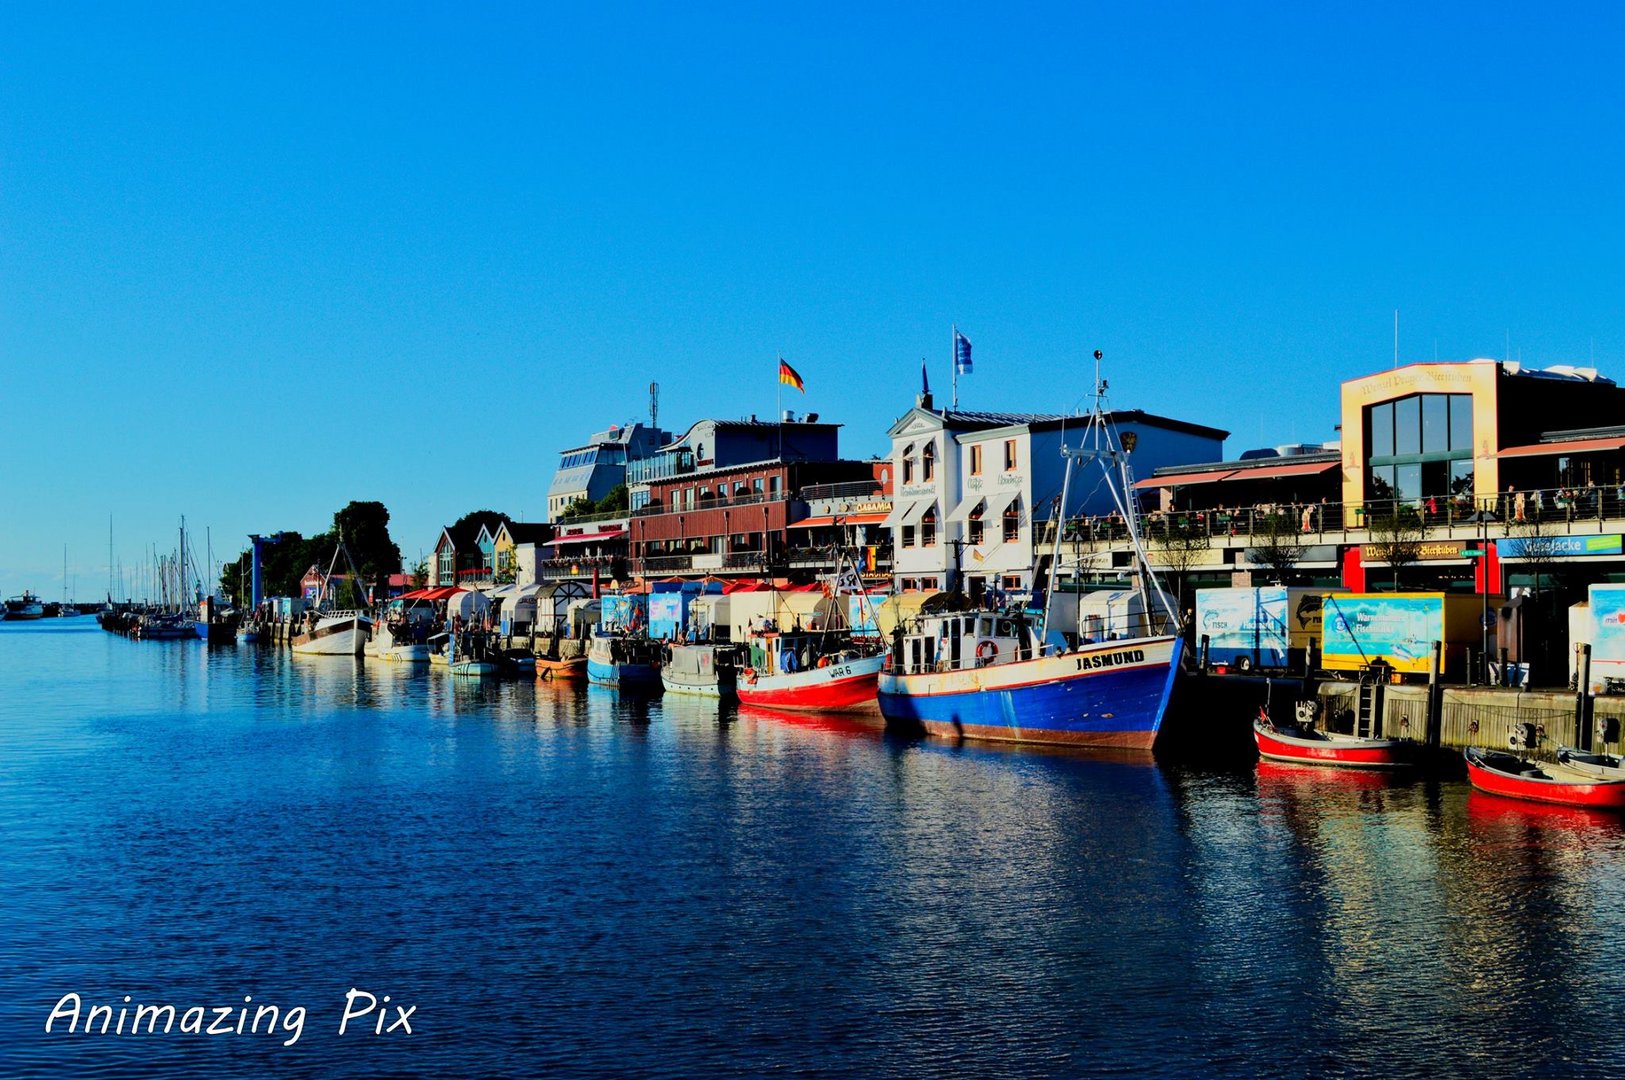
(1520, 547)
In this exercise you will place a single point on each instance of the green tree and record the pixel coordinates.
(578, 508)
(618, 499)
(365, 529)
(491, 519)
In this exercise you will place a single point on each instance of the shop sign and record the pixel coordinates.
(1557, 547)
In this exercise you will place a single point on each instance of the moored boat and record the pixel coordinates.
(566, 669)
(333, 633)
(26, 606)
(810, 671)
(1304, 745)
(706, 669)
(1510, 776)
(624, 661)
(1592, 765)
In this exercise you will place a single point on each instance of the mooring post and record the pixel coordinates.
(1582, 686)
(1435, 710)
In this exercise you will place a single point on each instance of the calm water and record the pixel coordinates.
(565, 882)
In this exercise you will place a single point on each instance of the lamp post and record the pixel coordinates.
(1484, 517)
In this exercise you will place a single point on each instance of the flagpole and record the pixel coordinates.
(778, 403)
(953, 361)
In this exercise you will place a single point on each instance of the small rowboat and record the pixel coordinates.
(1309, 746)
(1514, 778)
(1592, 766)
(574, 667)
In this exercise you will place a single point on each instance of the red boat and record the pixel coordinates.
(1303, 745)
(1514, 778)
(792, 670)
(573, 668)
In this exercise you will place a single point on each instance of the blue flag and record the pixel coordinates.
(961, 354)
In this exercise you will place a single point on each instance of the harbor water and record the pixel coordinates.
(561, 880)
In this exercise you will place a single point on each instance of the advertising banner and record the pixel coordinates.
(1557, 547)
(1239, 621)
(1399, 629)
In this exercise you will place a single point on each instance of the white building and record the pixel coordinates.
(974, 490)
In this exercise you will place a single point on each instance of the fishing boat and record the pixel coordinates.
(703, 669)
(1513, 777)
(331, 631)
(26, 606)
(1302, 744)
(809, 670)
(401, 634)
(1017, 675)
(561, 669)
(1594, 766)
(623, 660)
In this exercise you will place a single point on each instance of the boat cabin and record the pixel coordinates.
(789, 651)
(961, 639)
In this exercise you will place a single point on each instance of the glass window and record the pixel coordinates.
(928, 528)
(908, 536)
(1435, 423)
(1012, 521)
(976, 531)
(1408, 425)
(1009, 454)
(1461, 477)
(928, 458)
(1435, 478)
(1461, 421)
(976, 460)
(1408, 482)
(1379, 484)
(1382, 430)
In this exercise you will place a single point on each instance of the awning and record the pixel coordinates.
(812, 522)
(999, 503)
(1180, 479)
(525, 591)
(864, 519)
(963, 511)
(838, 519)
(583, 538)
(430, 594)
(1572, 446)
(907, 513)
(1302, 468)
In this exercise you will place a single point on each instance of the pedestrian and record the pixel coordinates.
(1517, 505)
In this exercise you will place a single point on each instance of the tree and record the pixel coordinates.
(1277, 546)
(618, 499)
(420, 574)
(491, 519)
(578, 508)
(1181, 546)
(1396, 537)
(365, 529)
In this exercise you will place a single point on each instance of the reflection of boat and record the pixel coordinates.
(1595, 766)
(837, 723)
(1508, 775)
(1284, 776)
(1304, 745)
(26, 606)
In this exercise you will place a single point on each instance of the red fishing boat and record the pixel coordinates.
(1300, 744)
(574, 667)
(820, 672)
(1515, 778)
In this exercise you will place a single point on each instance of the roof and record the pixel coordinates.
(582, 538)
(530, 532)
(1571, 446)
(966, 418)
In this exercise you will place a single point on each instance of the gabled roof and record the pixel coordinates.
(527, 532)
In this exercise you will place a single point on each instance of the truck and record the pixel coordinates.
(1267, 626)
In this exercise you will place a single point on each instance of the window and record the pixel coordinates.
(908, 536)
(976, 460)
(756, 485)
(1009, 454)
(908, 584)
(928, 528)
(928, 467)
(975, 529)
(773, 487)
(1419, 447)
(1011, 583)
(908, 470)
(1012, 521)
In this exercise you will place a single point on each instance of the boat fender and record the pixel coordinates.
(823, 661)
(986, 652)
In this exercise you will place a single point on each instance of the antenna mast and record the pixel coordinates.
(654, 405)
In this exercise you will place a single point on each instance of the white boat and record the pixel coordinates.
(330, 632)
(400, 636)
(334, 633)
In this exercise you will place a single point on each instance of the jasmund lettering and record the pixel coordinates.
(128, 1019)
(1112, 659)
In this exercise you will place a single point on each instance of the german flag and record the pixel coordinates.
(788, 376)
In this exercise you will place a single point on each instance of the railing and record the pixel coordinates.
(713, 503)
(588, 519)
(1561, 510)
(861, 490)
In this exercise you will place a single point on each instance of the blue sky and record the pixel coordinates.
(256, 265)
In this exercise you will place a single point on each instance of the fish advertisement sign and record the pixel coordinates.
(1248, 623)
(1397, 628)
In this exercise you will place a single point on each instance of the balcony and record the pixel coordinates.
(853, 491)
(747, 499)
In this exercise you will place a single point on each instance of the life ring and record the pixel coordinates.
(986, 651)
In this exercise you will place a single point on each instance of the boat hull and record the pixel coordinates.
(1539, 786)
(844, 686)
(334, 637)
(1341, 751)
(415, 653)
(473, 669)
(1111, 695)
(639, 676)
(569, 670)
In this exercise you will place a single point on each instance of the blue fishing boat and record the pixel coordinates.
(624, 660)
(1020, 675)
